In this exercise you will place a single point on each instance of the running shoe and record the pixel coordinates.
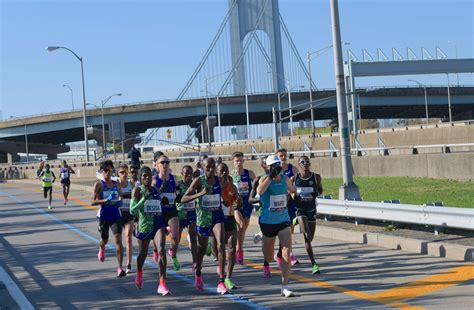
(295, 221)
(315, 268)
(163, 289)
(176, 264)
(257, 238)
(240, 257)
(294, 261)
(214, 259)
(279, 260)
(168, 230)
(198, 283)
(101, 255)
(49, 207)
(170, 252)
(287, 293)
(209, 248)
(65, 201)
(139, 279)
(229, 284)
(155, 256)
(129, 269)
(266, 272)
(120, 273)
(222, 289)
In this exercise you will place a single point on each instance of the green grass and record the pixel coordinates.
(409, 190)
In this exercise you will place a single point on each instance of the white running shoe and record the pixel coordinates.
(257, 238)
(287, 293)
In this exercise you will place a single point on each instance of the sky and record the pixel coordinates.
(147, 50)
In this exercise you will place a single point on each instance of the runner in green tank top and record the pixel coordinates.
(47, 179)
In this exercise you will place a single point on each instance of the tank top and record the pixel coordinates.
(110, 212)
(289, 173)
(244, 186)
(64, 173)
(228, 198)
(274, 203)
(47, 179)
(305, 189)
(209, 203)
(126, 196)
(169, 192)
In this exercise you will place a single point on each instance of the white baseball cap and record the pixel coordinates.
(272, 159)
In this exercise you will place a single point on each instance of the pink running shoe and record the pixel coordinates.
(101, 255)
(240, 257)
(294, 261)
(121, 273)
(155, 256)
(65, 201)
(170, 252)
(199, 284)
(168, 230)
(163, 289)
(139, 279)
(279, 260)
(222, 289)
(266, 272)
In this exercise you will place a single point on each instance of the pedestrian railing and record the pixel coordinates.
(459, 218)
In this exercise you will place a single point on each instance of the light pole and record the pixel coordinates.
(289, 89)
(26, 136)
(349, 189)
(449, 100)
(206, 82)
(86, 141)
(72, 96)
(426, 98)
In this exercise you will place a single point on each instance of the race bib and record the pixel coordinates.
(305, 193)
(107, 194)
(278, 202)
(47, 179)
(188, 206)
(225, 209)
(64, 175)
(171, 197)
(242, 188)
(153, 207)
(125, 205)
(211, 202)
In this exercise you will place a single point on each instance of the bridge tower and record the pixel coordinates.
(244, 20)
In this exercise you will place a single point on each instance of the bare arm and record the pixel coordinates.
(194, 191)
(253, 192)
(252, 175)
(96, 195)
(320, 184)
(263, 185)
(291, 186)
(71, 170)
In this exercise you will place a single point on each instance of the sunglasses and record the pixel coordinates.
(304, 162)
(163, 162)
(275, 165)
(123, 172)
(133, 171)
(107, 170)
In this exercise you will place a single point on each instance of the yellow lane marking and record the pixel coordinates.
(429, 284)
(336, 288)
(391, 297)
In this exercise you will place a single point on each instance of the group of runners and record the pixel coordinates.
(47, 177)
(214, 205)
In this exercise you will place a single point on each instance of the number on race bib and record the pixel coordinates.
(211, 202)
(171, 197)
(189, 206)
(278, 202)
(47, 179)
(225, 209)
(64, 175)
(125, 205)
(305, 193)
(115, 195)
(152, 207)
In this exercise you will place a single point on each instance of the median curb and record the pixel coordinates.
(432, 248)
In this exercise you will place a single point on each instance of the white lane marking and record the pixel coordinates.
(15, 291)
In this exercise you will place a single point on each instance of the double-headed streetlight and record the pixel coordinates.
(206, 82)
(426, 98)
(290, 110)
(86, 142)
(103, 103)
(26, 136)
(72, 96)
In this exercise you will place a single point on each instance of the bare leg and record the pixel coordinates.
(160, 239)
(193, 237)
(308, 235)
(268, 249)
(219, 234)
(240, 220)
(231, 239)
(128, 241)
(50, 195)
(119, 249)
(142, 253)
(174, 226)
(201, 250)
(285, 241)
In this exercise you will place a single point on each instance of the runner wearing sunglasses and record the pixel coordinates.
(127, 218)
(308, 187)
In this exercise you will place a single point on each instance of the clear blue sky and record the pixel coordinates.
(147, 50)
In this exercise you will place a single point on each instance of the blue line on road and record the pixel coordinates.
(232, 297)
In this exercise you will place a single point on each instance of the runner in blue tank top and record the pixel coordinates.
(242, 179)
(127, 219)
(165, 183)
(274, 219)
(108, 195)
(290, 171)
(65, 175)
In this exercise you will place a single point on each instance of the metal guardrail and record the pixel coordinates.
(460, 218)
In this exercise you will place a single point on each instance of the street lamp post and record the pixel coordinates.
(72, 96)
(449, 100)
(26, 137)
(426, 99)
(86, 141)
(206, 82)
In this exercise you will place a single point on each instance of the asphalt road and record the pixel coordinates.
(48, 259)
